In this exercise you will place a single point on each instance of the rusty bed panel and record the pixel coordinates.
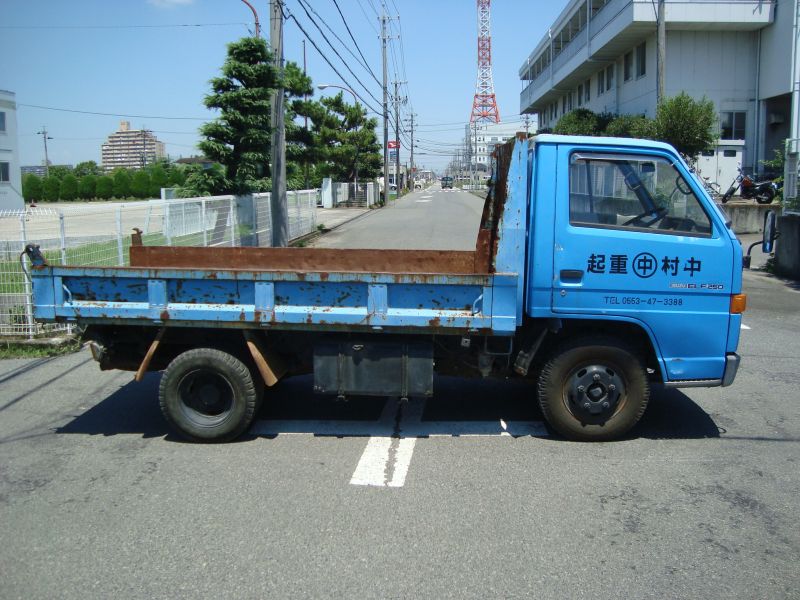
(305, 259)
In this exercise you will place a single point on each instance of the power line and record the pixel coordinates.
(325, 37)
(355, 42)
(172, 26)
(330, 64)
(362, 61)
(105, 114)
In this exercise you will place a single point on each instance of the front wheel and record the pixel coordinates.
(766, 197)
(208, 395)
(593, 389)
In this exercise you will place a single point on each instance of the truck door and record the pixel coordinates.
(633, 241)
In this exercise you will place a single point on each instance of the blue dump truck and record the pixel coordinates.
(601, 268)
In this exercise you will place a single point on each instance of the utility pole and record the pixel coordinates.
(662, 50)
(278, 208)
(397, 132)
(384, 37)
(305, 118)
(45, 137)
(413, 170)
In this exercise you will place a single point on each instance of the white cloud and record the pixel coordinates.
(169, 3)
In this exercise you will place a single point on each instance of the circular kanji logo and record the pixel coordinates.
(645, 265)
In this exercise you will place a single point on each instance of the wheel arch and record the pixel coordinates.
(630, 332)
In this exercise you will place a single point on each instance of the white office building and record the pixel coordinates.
(601, 55)
(10, 178)
(483, 137)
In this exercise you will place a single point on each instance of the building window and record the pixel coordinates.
(627, 66)
(2, 121)
(731, 125)
(4, 172)
(601, 82)
(563, 104)
(587, 90)
(641, 59)
(580, 94)
(569, 101)
(609, 77)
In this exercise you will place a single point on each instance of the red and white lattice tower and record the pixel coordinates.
(484, 105)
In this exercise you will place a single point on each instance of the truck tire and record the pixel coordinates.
(208, 395)
(593, 389)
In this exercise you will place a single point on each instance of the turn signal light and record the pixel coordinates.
(738, 303)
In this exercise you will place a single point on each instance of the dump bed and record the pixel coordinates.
(310, 288)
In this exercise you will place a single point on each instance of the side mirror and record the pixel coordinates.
(770, 233)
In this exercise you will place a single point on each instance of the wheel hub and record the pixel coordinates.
(594, 391)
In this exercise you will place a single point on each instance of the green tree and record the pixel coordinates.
(580, 121)
(59, 171)
(176, 176)
(630, 126)
(239, 138)
(87, 186)
(158, 180)
(140, 184)
(105, 187)
(88, 167)
(32, 188)
(122, 183)
(203, 182)
(686, 123)
(68, 190)
(339, 135)
(50, 188)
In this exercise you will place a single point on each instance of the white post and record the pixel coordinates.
(62, 233)
(203, 221)
(120, 253)
(147, 217)
(29, 323)
(232, 220)
(167, 233)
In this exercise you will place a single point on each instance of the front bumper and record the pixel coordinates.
(732, 361)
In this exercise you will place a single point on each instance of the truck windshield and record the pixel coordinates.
(640, 192)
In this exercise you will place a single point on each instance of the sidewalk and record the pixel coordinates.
(331, 218)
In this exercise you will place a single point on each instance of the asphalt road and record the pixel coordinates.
(98, 499)
(430, 219)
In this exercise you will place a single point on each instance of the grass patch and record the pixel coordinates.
(14, 349)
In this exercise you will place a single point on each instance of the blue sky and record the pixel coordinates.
(136, 57)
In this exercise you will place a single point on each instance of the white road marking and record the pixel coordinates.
(745, 326)
(371, 468)
(426, 196)
(386, 459)
(422, 201)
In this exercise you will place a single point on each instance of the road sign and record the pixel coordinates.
(392, 154)
(393, 144)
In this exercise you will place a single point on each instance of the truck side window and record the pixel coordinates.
(638, 192)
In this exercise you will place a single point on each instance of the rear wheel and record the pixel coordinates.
(593, 389)
(208, 395)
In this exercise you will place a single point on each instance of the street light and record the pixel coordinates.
(323, 86)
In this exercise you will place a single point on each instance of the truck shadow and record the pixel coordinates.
(460, 407)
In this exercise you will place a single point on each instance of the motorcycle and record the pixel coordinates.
(763, 191)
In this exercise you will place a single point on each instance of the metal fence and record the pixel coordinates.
(99, 234)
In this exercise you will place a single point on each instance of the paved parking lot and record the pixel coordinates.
(466, 495)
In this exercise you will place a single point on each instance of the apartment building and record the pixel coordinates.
(602, 54)
(131, 148)
(10, 177)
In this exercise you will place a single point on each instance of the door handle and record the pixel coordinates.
(571, 275)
